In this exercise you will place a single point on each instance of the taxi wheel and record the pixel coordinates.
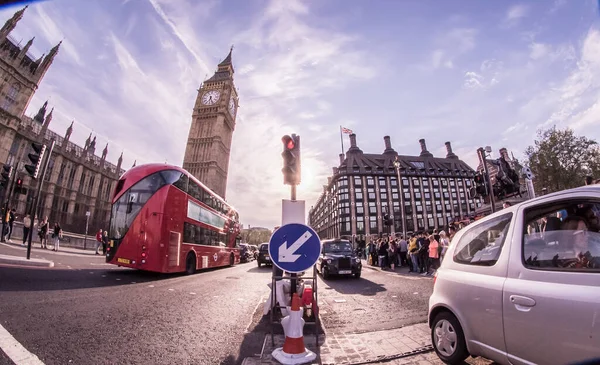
(448, 339)
(190, 264)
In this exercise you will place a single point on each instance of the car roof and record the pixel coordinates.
(335, 240)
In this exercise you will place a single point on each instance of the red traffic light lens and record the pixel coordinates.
(290, 144)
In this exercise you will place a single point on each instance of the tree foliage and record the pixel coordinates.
(561, 160)
(256, 236)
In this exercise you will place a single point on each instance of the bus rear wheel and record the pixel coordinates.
(231, 260)
(190, 264)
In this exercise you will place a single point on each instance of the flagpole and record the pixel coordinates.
(342, 139)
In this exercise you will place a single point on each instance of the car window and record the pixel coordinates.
(563, 235)
(337, 247)
(482, 243)
(264, 247)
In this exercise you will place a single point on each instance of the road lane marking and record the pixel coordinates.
(171, 289)
(192, 293)
(150, 286)
(118, 279)
(15, 351)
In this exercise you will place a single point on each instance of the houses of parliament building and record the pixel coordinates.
(77, 180)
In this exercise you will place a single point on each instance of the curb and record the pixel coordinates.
(38, 250)
(21, 261)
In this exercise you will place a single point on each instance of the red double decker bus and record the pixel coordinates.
(164, 220)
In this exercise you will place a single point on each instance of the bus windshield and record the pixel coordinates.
(131, 202)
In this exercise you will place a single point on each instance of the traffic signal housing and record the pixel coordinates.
(36, 159)
(388, 220)
(7, 171)
(19, 189)
(482, 187)
(291, 159)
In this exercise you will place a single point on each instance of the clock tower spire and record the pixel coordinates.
(213, 122)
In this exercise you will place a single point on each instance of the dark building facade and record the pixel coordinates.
(419, 192)
(77, 181)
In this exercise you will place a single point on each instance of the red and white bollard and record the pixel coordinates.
(293, 351)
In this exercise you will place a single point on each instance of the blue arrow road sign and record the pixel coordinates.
(294, 247)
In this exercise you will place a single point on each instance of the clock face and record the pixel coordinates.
(211, 97)
(232, 107)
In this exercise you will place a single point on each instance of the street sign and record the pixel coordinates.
(294, 247)
(87, 214)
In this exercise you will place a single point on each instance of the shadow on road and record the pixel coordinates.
(261, 269)
(350, 285)
(26, 279)
(259, 329)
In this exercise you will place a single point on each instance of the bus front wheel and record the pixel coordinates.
(190, 264)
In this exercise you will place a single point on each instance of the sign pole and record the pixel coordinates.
(293, 281)
(9, 188)
(87, 218)
(37, 201)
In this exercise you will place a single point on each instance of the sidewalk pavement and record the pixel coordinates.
(36, 246)
(401, 271)
(354, 348)
(22, 261)
(410, 345)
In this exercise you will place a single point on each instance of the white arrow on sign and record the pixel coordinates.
(286, 254)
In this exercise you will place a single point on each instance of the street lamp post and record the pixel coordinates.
(401, 192)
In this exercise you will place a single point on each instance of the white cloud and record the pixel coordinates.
(538, 50)
(516, 12)
(473, 80)
(451, 45)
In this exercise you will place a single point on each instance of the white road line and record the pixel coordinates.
(150, 286)
(15, 351)
(171, 289)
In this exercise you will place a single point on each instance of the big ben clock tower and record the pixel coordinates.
(213, 121)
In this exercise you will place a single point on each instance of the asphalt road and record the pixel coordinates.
(83, 312)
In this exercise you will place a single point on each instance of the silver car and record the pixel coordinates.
(522, 286)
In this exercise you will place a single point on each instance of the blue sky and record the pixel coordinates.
(474, 73)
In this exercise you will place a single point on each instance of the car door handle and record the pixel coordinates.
(522, 301)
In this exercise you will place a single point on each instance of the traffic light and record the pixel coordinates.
(6, 175)
(481, 185)
(291, 159)
(36, 159)
(19, 187)
(387, 220)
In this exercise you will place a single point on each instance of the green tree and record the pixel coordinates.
(561, 160)
(256, 236)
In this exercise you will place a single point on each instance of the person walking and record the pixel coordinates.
(99, 241)
(444, 244)
(57, 235)
(413, 248)
(104, 242)
(434, 255)
(26, 226)
(11, 220)
(43, 232)
(403, 251)
(393, 254)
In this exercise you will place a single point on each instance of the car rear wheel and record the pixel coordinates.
(190, 264)
(448, 339)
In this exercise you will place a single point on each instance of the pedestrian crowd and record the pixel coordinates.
(421, 252)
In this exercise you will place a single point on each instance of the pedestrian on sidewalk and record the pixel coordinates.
(413, 248)
(99, 241)
(11, 220)
(104, 242)
(57, 235)
(393, 255)
(26, 226)
(43, 232)
(423, 243)
(444, 244)
(383, 252)
(434, 255)
(403, 251)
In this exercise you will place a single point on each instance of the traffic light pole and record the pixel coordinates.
(293, 281)
(488, 180)
(10, 188)
(37, 198)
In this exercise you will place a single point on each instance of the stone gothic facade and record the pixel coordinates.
(213, 122)
(77, 180)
